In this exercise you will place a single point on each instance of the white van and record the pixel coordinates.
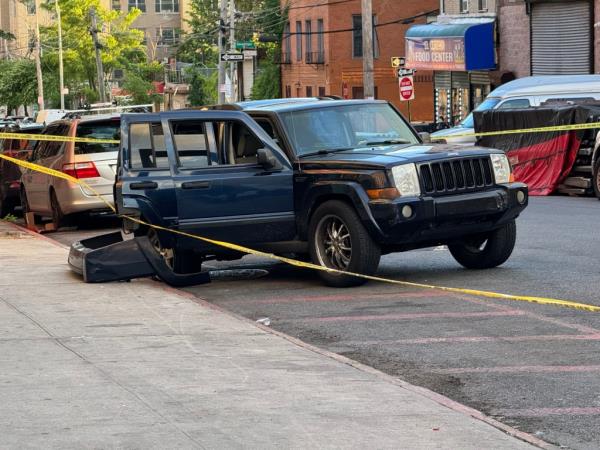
(526, 93)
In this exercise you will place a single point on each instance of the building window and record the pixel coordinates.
(483, 5)
(357, 48)
(309, 91)
(288, 91)
(464, 6)
(321, 91)
(116, 5)
(166, 6)
(139, 4)
(298, 41)
(167, 36)
(320, 41)
(30, 7)
(308, 31)
(287, 46)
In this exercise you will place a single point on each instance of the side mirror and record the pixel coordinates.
(425, 137)
(267, 160)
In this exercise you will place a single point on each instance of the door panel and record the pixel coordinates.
(231, 197)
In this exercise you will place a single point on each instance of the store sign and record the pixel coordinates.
(439, 53)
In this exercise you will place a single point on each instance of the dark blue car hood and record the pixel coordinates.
(391, 155)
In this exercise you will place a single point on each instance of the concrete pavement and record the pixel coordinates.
(137, 365)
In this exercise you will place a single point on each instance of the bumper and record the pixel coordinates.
(74, 200)
(437, 220)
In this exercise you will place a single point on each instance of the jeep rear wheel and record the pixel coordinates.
(338, 240)
(487, 250)
(179, 261)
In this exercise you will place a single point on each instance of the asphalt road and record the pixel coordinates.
(534, 367)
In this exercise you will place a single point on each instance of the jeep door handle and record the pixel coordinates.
(144, 185)
(195, 185)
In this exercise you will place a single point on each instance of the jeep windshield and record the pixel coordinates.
(344, 127)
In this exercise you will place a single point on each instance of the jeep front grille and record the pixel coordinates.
(456, 175)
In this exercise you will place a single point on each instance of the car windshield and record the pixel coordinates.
(101, 129)
(342, 127)
(488, 103)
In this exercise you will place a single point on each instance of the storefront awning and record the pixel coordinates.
(451, 46)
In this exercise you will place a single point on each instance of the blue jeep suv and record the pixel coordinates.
(339, 182)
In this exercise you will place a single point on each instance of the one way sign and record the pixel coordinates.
(227, 57)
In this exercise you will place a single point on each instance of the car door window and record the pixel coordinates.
(238, 144)
(191, 140)
(147, 146)
(518, 103)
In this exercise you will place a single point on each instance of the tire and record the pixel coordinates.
(5, 208)
(596, 178)
(57, 214)
(338, 239)
(26, 209)
(179, 261)
(486, 251)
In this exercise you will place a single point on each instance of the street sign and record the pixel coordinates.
(242, 45)
(249, 54)
(407, 88)
(232, 57)
(398, 61)
(401, 72)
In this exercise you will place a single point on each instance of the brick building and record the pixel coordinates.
(525, 37)
(318, 59)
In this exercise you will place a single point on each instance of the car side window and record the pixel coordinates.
(518, 103)
(147, 146)
(191, 142)
(52, 148)
(238, 143)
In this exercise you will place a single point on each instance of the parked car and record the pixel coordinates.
(10, 174)
(527, 92)
(339, 182)
(45, 195)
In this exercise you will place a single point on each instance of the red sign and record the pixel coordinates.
(407, 88)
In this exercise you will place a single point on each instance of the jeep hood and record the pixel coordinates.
(390, 155)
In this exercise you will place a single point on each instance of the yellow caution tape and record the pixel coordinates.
(52, 138)
(293, 262)
(577, 126)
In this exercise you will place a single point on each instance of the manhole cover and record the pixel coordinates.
(237, 274)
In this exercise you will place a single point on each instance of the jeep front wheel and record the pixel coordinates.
(596, 178)
(487, 250)
(338, 240)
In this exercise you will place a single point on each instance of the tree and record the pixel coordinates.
(121, 44)
(203, 88)
(140, 90)
(18, 84)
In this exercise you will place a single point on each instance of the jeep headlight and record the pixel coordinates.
(406, 180)
(501, 168)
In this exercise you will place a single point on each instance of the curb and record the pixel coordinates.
(427, 393)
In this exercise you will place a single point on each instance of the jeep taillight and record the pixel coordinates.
(81, 170)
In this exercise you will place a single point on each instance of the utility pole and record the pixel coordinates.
(97, 46)
(367, 44)
(61, 80)
(222, 21)
(38, 61)
(232, 65)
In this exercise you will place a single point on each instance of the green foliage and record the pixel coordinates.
(267, 83)
(10, 218)
(7, 35)
(203, 88)
(18, 84)
(140, 90)
(121, 44)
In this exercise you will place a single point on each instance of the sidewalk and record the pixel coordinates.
(137, 365)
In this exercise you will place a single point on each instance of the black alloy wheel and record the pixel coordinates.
(596, 178)
(178, 260)
(339, 240)
(488, 250)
